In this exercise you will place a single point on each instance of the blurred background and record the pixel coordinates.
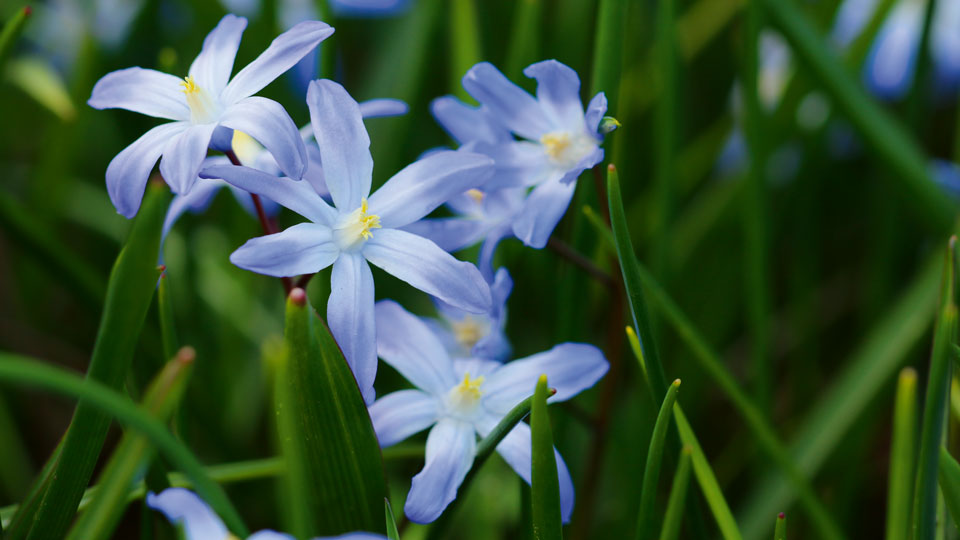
(800, 234)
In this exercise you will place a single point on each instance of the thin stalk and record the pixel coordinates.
(678, 493)
(651, 472)
(902, 451)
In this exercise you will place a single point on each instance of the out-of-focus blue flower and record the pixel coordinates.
(185, 509)
(253, 154)
(471, 335)
(291, 9)
(947, 174)
(461, 398)
(368, 8)
(206, 99)
(557, 142)
(357, 230)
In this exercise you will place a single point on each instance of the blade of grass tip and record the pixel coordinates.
(524, 46)
(707, 480)
(651, 472)
(102, 516)
(865, 374)
(678, 494)
(900, 484)
(168, 331)
(950, 482)
(11, 31)
(666, 119)
(755, 420)
(464, 43)
(485, 449)
(544, 485)
(755, 220)
(780, 532)
(131, 285)
(30, 372)
(935, 403)
(638, 353)
(392, 532)
(891, 143)
(629, 267)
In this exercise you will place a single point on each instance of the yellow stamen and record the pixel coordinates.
(367, 221)
(470, 387)
(467, 332)
(556, 144)
(476, 195)
(203, 108)
(189, 85)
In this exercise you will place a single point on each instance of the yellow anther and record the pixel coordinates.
(354, 228)
(367, 221)
(476, 195)
(203, 108)
(464, 398)
(556, 144)
(467, 332)
(470, 387)
(189, 85)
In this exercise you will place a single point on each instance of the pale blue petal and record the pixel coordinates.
(545, 205)
(267, 534)
(401, 414)
(197, 200)
(409, 346)
(129, 170)
(450, 234)
(510, 104)
(213, 65)
(297, 196)
(424, 185)
(518, 163)
(947, 175)
(570, 368)
(475, 367)
(516, 450)
(141, 90)
(558, 91)
(268, 122)
(489, 247)
(595, 111)
(314, 173)
(378, 108)
(184, 507)
(889, 67)
(451, 447)
(343, 142)
(354, 536)
(465, 123)
(422, 264)
(850, 18)
(304, 248)
(285, 51)
(368, 8)
(495, 345)
(945, 42)
(183, 156)
(351, 319)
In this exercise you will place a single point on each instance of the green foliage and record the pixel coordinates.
(545, 488)
(673, 517)
(902, 457)
(651, 472)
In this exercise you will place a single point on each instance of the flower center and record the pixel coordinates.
(245, 147)
(476, 195)
(354, 228)
(464, 397)
(203, 108)
(566, 150)
(468, 331)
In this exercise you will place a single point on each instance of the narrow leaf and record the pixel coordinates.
(524, 38)
(902, 450)
(646, 522)
(334, 466)
(780, 532)
(950, 483)
(464, 42)
(168, 332)
(678, 494)
(392, 532)
(11, 31)
(608, 48)
(544, 488)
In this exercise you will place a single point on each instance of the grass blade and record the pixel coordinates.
(544, 485)
(651, 473)
(666, 119)
(890, 142)
(17, 369)
(525, 38)
(950, 483)
(464, 42)
(935, 403)
(780, 532)
(392, 532)
(131, 286)
(902, 450)
(335, 479)
(168, 330)
(707, 480)
(107, 506)
(608, 48)
(11, 31)
(678, 494)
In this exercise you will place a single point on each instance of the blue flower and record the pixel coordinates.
(184, 508)
(358, 230)
(206, 99)
(461, 398)
(253, 154)
(467, 335)
(557, 140)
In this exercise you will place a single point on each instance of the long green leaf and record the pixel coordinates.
(890, 142)
(334, 466)
(131, 286)
(673, 517)
(608, 48)
(106, 508)
(935, 403)
(780, 531)
(168, 330)
(11, 31)
(524, 38)
(17, 369)
(902, 450)
(666, 117)
(707, 480)
(392, 532)
(544, 486)
(950, 483)
(651, 472)
(464, 42)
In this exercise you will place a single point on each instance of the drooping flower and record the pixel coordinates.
(362, 228)
(459, 399)
(253, 154)
(206, 99)
(472, 335)
(557, 140)
(184, 508)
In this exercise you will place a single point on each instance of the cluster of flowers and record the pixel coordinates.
(514, 174)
